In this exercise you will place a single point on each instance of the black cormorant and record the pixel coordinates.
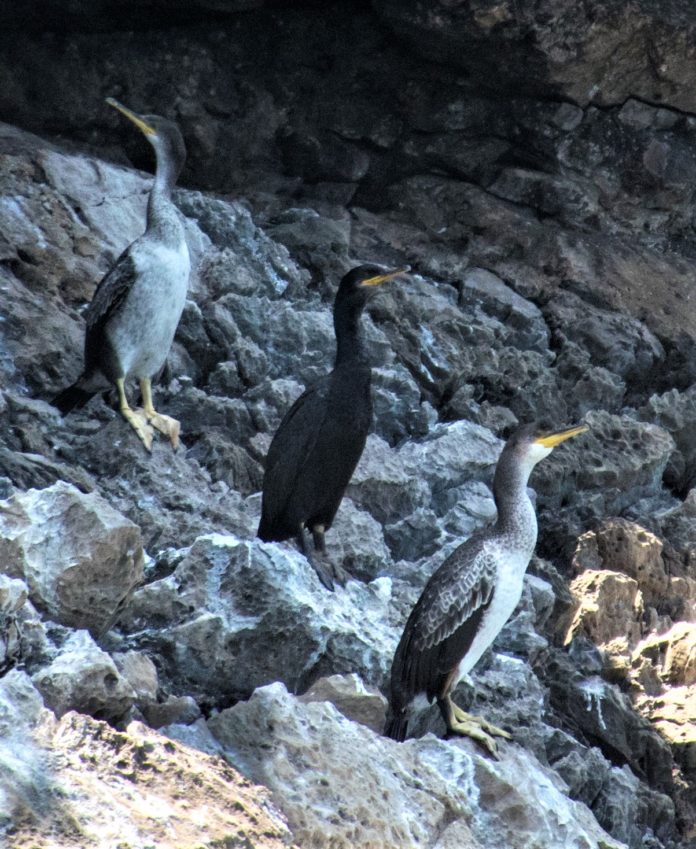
(470, 596)
(131, 321)
(319, 441)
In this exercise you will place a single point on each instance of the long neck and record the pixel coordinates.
(516, 514)
(349, 341)
(161, 213)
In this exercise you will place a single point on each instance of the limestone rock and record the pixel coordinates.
(365, 705)
(374, 791)
(139, 788)
(235, 615)
(80, 558)
(608, 605)
(84, 678)
(623, 546)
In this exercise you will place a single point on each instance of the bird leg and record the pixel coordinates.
(318, 537)
(338, 573)
(458, 721)
(165, 424)
(135, 418)
(322, 573)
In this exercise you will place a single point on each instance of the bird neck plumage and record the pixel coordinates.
(349, 339)
(160, 208)
(516, 514)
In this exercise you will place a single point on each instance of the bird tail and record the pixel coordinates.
(73, 397)
(396, 725)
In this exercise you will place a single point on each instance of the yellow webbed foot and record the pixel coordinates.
(167, 425)
(164, 424)
(137, 419)
(478, 729)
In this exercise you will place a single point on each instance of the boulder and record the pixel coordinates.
(235, 615)
(80, 558)
(145, 788)
(84, 678)
(369, 791)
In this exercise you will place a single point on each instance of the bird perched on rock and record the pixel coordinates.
(136, 307)
(319, 441)
(470, 596)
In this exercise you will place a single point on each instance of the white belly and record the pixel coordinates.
(506, 596)
(147, 323)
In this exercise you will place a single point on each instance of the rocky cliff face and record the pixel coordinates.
(534, 164)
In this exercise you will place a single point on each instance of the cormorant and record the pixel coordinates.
(471, 595)
(321, 438)
(136, 307)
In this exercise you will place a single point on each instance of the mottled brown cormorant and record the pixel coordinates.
(470, 596)
(131, 321)
(319, 441)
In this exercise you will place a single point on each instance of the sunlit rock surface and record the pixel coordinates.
(533, 163)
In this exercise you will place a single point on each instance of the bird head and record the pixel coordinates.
(163, 134)
(361, 282)
(529, 444)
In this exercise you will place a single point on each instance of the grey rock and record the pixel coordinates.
(365, 705)
(523, 319)
(236, 615)
(618, 343)
(675, 411)
(140, 672)
(424, 792)
(80, 558)
(84, 678)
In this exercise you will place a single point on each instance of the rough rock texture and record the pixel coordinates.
(85, 784)
(534, 164)
(80, 558)
(379, 785)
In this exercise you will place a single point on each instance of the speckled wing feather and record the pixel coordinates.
(290, 449)
(108, 297)
(442, 625)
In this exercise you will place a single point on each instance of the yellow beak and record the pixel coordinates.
(382, 278)
(554, 439)
(136, 119)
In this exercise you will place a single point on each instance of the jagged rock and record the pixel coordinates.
(392, 484)
(80, 558)
(140, 672)
(174, 709)
(605, 718)
(589, 59)
(623, 546)
(84, 678)
(352, 698)
(618, 343)
(673, 653)
(235, 615)
(675, 412)
(608, 605)
(424, 792)
(23, 777)
(524, 321)
(357, 543)
(13, 596)
(88, 782)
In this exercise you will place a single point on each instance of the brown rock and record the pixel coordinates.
(140, 789)
(622, 546)
(608, 605)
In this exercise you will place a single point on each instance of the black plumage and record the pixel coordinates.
(321, 438)
(136, 307)
(470, 596)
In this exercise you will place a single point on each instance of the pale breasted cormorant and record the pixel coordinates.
(470, 596)
(131, 321)
(321, 438)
